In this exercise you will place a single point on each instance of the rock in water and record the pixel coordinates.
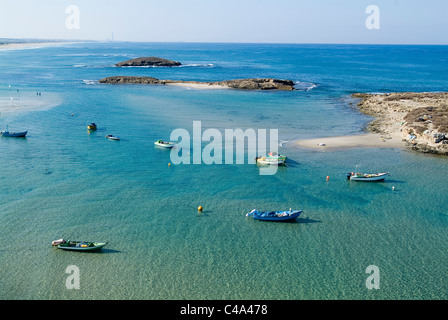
(258, 84)
(130, 80)
(243, 84)
(148, 61)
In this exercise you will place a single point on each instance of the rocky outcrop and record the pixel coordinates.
(258, 84)
(243, 84)
(130, 80)
(148, 61)
(420, 117)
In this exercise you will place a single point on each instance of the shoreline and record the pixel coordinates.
(31, 45)
(193, 85)
(369, 140)
(407, 120)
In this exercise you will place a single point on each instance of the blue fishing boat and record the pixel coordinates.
(274, 215)
(8, 133)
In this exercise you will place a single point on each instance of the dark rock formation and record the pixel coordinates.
(258, 84)
(243, 84)
(148, 61)
(130, 80)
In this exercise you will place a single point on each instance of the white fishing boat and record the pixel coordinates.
(272, 159)
(164, 144)
(367, 176)
(112, 137)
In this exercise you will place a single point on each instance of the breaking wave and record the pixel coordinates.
(304, 86)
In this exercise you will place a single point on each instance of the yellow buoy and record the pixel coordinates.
(200, 208)
(169, 164)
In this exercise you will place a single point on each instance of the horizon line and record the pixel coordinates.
(35, 40)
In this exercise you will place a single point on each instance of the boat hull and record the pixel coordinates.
(369, 177)
(14, 134)
(96, 246)
(162, 145)
(275, 216)
(271, 160)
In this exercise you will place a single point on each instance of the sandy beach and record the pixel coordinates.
(370, 140)
(28, 45)
(413, 120)
(31, 45)
(192, 85)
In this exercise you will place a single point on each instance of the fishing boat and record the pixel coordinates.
(272, 159)
(8, 133)
(164, 144)
(367, 176)
(112, 137)
(78, 245)
(92, 126)
(274, 215)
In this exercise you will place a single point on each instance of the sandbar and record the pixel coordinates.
(369, 140)
(200, 86)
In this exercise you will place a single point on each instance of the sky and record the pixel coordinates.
(260, 21)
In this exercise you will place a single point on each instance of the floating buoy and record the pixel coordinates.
(200, 208)
(328, 177)
(73, 114)
(393, 188)
(169, 164)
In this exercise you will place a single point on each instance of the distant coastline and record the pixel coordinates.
(16, 44)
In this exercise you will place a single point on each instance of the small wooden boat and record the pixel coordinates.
(78, 245)
(274, 215)
(112, 137)
(367, 176)
(164, 144)
(8, 133)
(92, 126)
(272, 159)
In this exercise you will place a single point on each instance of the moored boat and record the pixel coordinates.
(78, 245)
(367, 176)
(112, 137)
(92, 126)
(274, 215)
(164, 144)
(272, 159)
(8, 133)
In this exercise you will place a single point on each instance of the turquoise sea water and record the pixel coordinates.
(61, 182)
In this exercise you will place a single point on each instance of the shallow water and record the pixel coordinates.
(61, 181)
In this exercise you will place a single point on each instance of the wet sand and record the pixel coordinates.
(370, 140)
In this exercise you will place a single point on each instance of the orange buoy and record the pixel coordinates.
(169, 164)
(200, 208)
(328, 177)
